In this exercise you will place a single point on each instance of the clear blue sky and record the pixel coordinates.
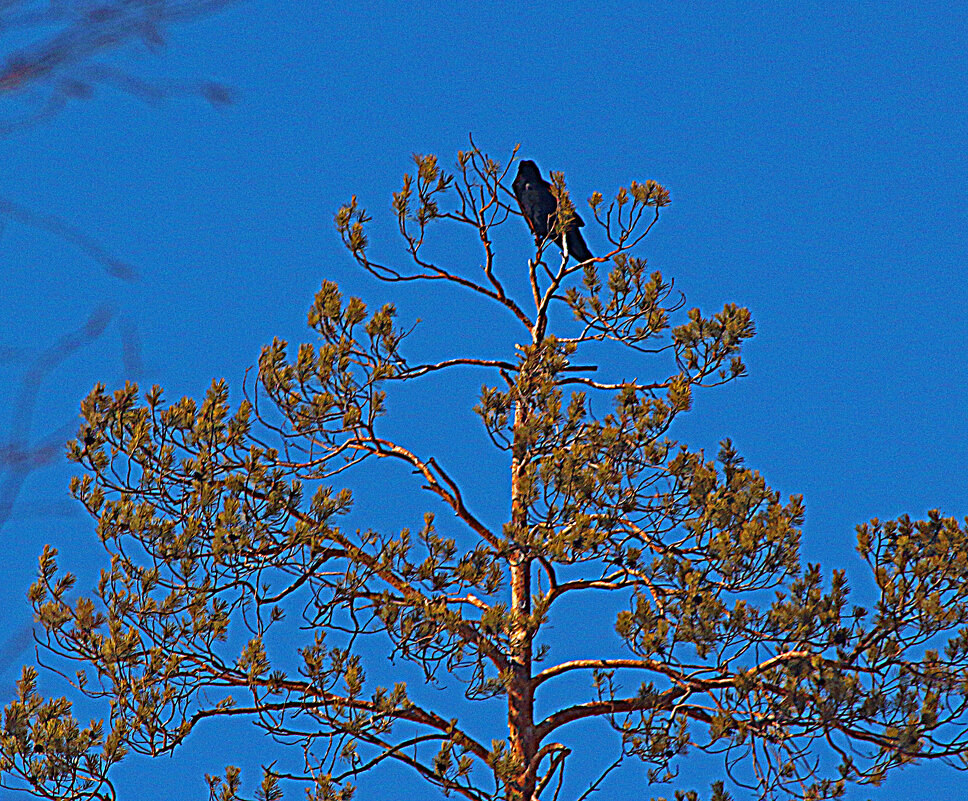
(816, 159)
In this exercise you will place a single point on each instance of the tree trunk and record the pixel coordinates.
(520, 695)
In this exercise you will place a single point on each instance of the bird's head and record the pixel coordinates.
(528, 171)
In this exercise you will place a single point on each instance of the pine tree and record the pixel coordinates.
(221, 521)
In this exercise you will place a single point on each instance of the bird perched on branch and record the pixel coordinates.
(540, 208)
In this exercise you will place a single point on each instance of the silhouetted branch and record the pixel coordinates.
(57, 67)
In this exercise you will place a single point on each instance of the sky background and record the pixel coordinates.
(815, 156)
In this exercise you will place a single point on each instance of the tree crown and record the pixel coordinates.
(221, 521)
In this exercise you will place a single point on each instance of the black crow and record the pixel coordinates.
(540, 206)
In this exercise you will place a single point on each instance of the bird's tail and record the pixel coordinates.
(577, 248)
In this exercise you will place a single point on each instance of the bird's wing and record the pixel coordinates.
(527, 209)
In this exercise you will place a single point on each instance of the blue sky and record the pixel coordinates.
(815, 156)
